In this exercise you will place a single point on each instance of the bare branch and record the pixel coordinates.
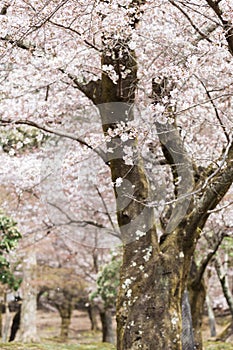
(22, 44)
(220, 209)
(218, 184)
(60, 133)
(202, 34)
(215, 109)
(81, 223)
(106, 209)
(205, 261)
(76, 32)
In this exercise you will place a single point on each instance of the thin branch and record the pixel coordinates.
(202, 103)
(46, 19)
(81, 223)
(205, 261)
(106, 209)
(203, 35)
(216, 210)
(76, 32)
(215, 109)
(22, 44)
(60, 133)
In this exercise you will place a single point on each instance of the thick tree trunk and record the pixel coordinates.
(107, 327)
(28, 329)
(149, 303)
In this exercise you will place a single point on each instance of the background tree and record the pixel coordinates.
(62, 288)
(107, 288)
(9, 237)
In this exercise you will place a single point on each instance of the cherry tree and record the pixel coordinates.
(158, 77)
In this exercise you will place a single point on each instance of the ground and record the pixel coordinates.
(82, 338)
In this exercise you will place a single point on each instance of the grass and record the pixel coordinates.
(218, 346)
(56, 346)
(92, 346)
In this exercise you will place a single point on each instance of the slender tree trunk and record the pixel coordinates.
(107, 327)
(93, 312)
(197, 295)
(65, 324)
(223, 278)
(1, 306)
(212, 322)
(28, 329)
(6, 326)
(188, 342)
(15, 325)
(65, 310)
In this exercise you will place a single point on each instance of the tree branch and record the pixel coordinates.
(106, 208)
(92, 89)
(215, 109)
(205, 261)
(226, 24)
(202, 34)
(182, 170)
(76, 32)
(81, 223)
(218, 184)
(60, 133)
(22, 44)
